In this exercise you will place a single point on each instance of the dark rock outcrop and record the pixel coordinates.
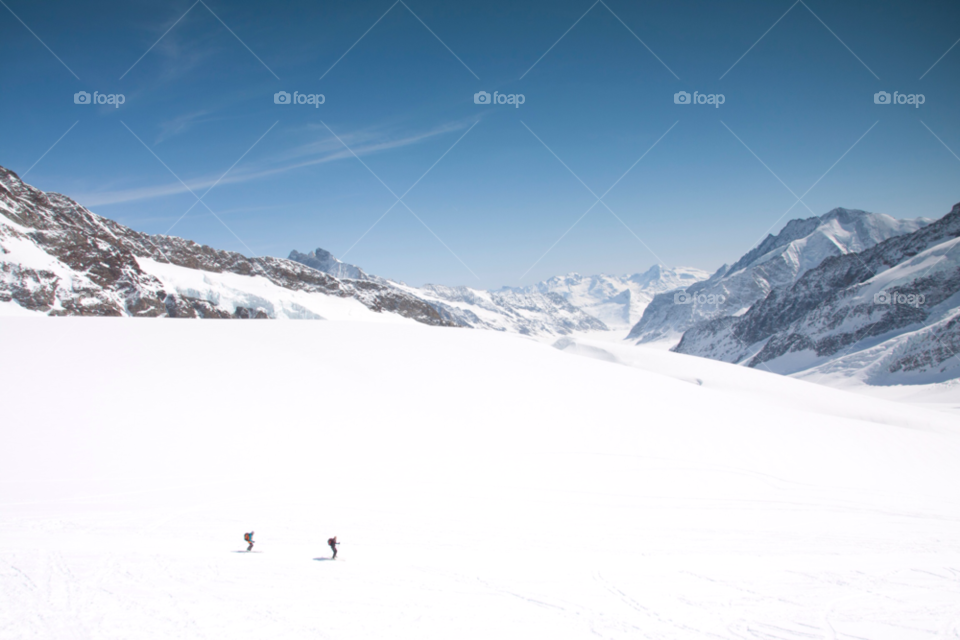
(92, 267)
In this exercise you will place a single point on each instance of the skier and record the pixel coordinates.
(248, 538)
(333, 545)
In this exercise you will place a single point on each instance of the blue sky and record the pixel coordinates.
(501, 195)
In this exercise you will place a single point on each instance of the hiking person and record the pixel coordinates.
(333, 545)
(248, 538)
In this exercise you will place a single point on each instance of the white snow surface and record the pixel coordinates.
(483, 485)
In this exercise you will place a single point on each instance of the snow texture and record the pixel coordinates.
(482, 486)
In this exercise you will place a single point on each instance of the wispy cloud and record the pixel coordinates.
(324, 148)
(181, 124)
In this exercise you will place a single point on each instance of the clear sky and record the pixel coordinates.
(497, 189)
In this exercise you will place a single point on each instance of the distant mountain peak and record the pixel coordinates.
(322, 260)
(778, 260)
(887, 315)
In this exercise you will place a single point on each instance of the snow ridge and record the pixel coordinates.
(778, 261)
(58, 258)
(886, 315)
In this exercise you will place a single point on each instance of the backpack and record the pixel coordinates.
(332, 541)
(246, 537)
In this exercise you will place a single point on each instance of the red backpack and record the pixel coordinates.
(332, 541)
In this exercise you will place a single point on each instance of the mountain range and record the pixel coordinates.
(849, 294)
(558, 306)
(58, 258)
(779, 260)
(887, 315)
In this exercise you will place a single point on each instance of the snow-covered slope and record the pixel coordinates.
(482, 486)
(887, 315)
(58, 258)
(618, 301)
(776, 262)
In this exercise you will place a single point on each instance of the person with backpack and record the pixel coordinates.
(333, 545)
(248, 538)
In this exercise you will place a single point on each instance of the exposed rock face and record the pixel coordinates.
(903, 293)
(776, 262)
(323, 260)
(59, 258)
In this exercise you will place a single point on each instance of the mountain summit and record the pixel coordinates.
(886, 315)
(323, 260)
(779, 260)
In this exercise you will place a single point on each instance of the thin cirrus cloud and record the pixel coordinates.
(326, 149)
(181, 124)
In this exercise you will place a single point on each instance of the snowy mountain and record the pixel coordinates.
(58, 258)
(527, 313)
(776, 262)
(618, 301)
(887, 315)
(557, 306)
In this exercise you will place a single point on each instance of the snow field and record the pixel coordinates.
(482, 485)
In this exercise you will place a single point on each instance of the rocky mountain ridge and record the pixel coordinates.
(779, 260)
(59, 258)
(890, 312)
